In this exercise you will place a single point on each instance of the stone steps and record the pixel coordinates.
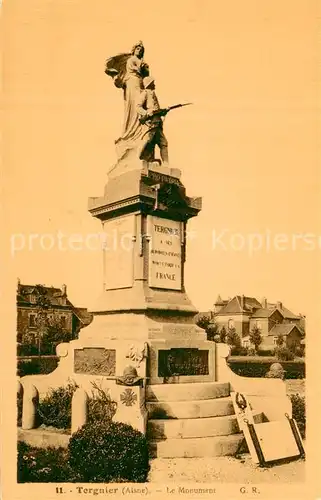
(187, 391)
(192, 427)
(217, 446)
(202, 408)
(192, 420)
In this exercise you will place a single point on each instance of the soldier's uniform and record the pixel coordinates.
(152, 130)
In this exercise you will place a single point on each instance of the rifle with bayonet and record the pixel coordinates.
(162, 112)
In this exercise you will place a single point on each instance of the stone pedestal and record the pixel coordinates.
(144, 212)
(131, 406)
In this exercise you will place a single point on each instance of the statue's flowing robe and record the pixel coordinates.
(132, 128)
(128, 71)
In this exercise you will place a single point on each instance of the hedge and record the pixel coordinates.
(105, 452)
(298, 412)
(39, 465)
(36, 365)
(259, 367)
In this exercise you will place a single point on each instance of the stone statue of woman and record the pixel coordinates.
(128, 71)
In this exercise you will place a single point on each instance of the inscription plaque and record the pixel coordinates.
(182, 361)
(95, 361)
(118, 252)
(165, 253)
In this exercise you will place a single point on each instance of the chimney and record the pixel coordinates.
(264, 303)
(242, 302)
(279, 305)
(64, 289)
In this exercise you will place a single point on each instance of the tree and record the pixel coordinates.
(50, 332)
(42, 305)
(203, 322)
(27, 345)
(209, 325)
(55, 334)
(232, 338)
(255, 337)
(211, 330)
(223, 334)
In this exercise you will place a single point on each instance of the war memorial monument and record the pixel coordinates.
(143, 345)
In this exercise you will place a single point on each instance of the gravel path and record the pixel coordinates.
(223, 469)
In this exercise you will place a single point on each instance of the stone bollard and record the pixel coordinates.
(29, 407)
(79, 409)
(130, 396)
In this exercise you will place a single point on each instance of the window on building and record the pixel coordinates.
(275, 339)
(63, 321)
(32, 320)
(230, 323)
(32, 298)
(246, 343)
(258, 325)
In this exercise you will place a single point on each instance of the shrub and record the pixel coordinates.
(211, 331)
(203, 321)
(100, 406)
(37, 366)
(55, 409)
(276, 371)
(299, 351)
(43, 465)
(223, 334)
(251, 351)
(19, 409)
(298, 412)
(284, 354)
(27, 350)
(239, 351)
(112, 452)
(258, 367)
(233, 338)
(280, 340)
(267, 352)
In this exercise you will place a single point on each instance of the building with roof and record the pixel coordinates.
(57, 305)
(272, 319)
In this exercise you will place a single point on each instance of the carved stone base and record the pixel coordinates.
(130, 162)
(192, 354)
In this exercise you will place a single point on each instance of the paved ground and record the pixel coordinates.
(295, 386)
(223, 469)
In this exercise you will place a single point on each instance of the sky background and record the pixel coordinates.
(248, 145)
